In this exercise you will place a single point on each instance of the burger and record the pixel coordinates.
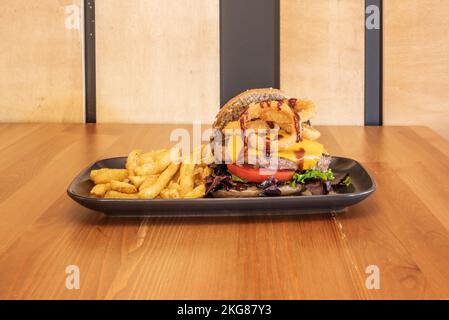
(264, 145)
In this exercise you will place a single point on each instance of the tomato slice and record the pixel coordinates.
(259, 175)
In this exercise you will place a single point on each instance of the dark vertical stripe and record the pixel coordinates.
(373, 63)
(249, 46)
(277, 43)
(89, 61)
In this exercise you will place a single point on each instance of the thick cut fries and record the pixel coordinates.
(198, 192)
(123, 187)
(152, 156)
(119, 195)
(107, 175)
(100, 190)
(165, 177)
(153, 175)
(186, 178)
(149, 181)
(158, 164)
(171, 191)
(133, 161)
(137, 180)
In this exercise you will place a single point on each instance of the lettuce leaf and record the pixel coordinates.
(237, 178)
(312, 174)
(346, 181)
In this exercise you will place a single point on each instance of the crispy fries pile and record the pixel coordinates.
(153, 175)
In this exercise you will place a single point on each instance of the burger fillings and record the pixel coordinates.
(264, 145)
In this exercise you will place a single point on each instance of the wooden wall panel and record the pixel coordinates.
(322, 56)
(157, 61)
(416, 63)
(41, 73)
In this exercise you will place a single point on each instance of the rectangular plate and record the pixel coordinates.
(363, 186)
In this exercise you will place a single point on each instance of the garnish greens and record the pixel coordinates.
(346, 181)
(237, 178)
(312, 174)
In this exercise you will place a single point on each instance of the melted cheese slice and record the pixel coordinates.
(312, 153)
(311, 156)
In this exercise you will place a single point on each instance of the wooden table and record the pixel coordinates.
(403, 228)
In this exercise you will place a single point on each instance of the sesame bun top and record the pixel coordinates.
(232, 110)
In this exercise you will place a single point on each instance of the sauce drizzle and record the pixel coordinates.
(245, 138)
(300, 158)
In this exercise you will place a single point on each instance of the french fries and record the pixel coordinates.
(137, 180)
(123, 187)
(119, 195)
(153, 175)
(149, 181)
(151, 156)
(153, 191)
(198, 192)
(100, 189)
(186, 178)
(106, 175)
(133, 161)
(172, 191)
(154, 165)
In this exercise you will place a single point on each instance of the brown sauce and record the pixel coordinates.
(300, 158)
(245, 138)
(292, 102)
(267, 144)
(297, 120)
(280, 102)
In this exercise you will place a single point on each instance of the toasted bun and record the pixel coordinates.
(232, 110)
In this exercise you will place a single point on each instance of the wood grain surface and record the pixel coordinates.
(322, 57)
(41, 61)
(416, 64)
(150, 53)
(403, 228)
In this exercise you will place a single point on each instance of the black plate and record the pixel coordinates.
(363, 186)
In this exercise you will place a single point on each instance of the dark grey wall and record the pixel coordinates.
(373, 62)
(249, 46)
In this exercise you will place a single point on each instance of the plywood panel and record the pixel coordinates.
(416, 63)
(322, 56)
(41, 75)
(157, 61)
